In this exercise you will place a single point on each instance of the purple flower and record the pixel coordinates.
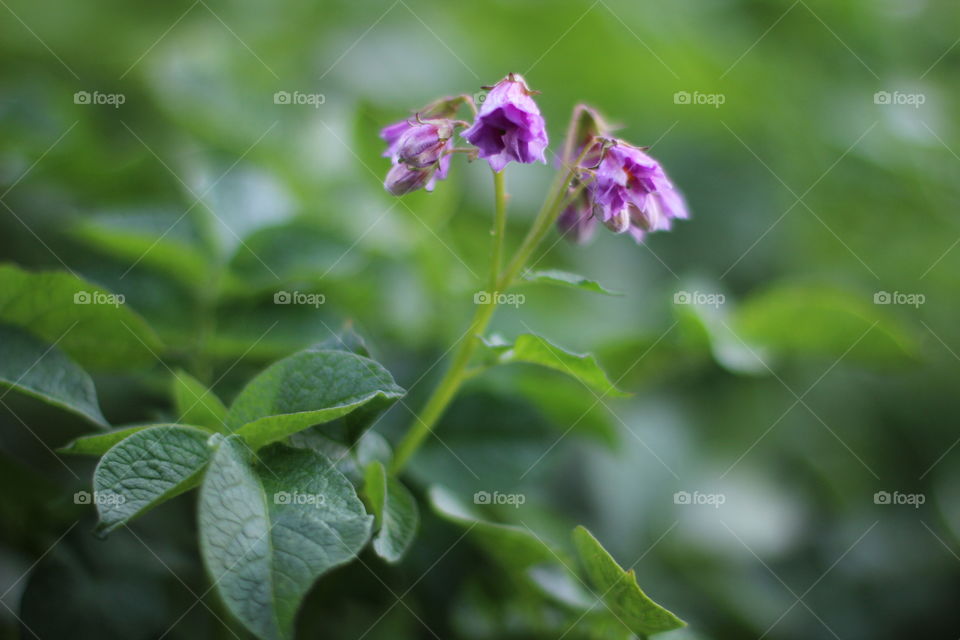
(424, 144)
(577, 221)
(509, 125)
(420, 147)
(613, 181)
(401, 179)
(392, 134)
(631, 192)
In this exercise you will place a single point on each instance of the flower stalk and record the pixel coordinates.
(458, 371)
(602, 179)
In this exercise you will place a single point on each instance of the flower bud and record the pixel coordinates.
(423, 145)
(586, 126)
(420, 147)
(617, 221)
(402, 179)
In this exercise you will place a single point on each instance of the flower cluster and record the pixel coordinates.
(607, 179)
(420, 147)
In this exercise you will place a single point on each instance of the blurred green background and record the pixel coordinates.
(793, 402)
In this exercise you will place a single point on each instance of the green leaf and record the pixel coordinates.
(197, 405)
(395, 510)
(535, 565)
(807, 320)
(346, 340)
(350, 459)
(166, 240)
(709, 327)
(619, 591)
(569, 280)
(299, 251)
(515, 548)
(98, 444)
(269, 530)
(147, 468)
(533, 349)
(305, 389)
(43, 371)
(79, 317)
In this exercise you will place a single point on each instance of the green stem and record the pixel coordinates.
(499, 229)
(499, 281)
(455, 375)
(445, 390)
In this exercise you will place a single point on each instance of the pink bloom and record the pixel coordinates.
(420, 147)
(631, 192)
(509, 125)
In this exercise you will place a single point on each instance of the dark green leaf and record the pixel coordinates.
(297, 252)
(515, 548)
(396, 512)
(165, 240)
(197, 405)
(346, 340)
(269, 530)
(43, 371)
(100, 443)
(533, 349)
(806, 320)
(350, 460)
(146, 469)
(308, 388)
(79, 317)
(569, 280)
(711, 328)
(619, 591)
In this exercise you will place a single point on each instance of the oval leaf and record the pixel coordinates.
(164, 239)
(619, 591)
(395, 510)
(533, 349)
(804, 320)
(308, 388)
(146, 469)
(515, 548)
(43, 371)
(268, 531)
(197, 405)
(569, 280)
(77, 316)
(98, 444)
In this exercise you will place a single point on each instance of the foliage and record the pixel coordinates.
(184, 280)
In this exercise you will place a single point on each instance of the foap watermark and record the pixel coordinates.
(99, 297)
(105, 498)
(480, 97)
(897, 297)
(911, 499)
(95, 97)
(710, 99)
(899, 98)
(295, 497)
(498, 297)
(699, 298)
(513, 499)
(298, 97)
(299, 297)
(697, 498)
